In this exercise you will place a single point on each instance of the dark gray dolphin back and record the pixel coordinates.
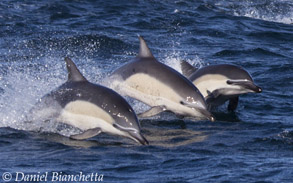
(228, 70)
(147, 64)
(78, 88)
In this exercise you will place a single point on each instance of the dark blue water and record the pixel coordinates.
(254, 144)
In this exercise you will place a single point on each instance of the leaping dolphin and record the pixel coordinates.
(220, 83)
(90, 107)
(159, 86)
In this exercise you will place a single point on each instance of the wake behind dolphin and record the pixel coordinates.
(159, 86)
(89, 107)
(220, 83)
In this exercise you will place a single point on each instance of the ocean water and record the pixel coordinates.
(254, 144)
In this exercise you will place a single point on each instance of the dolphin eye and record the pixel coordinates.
(181, 102)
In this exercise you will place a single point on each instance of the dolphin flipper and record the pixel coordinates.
(152, 111)
(87, 134)
(212, 96)
(233, 102)
(187, 68)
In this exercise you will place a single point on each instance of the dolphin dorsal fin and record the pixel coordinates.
(73, 72)
(144, 50)
(187, 68)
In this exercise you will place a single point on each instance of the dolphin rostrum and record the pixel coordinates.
(220, 83)
(159, 86)
(90, 107)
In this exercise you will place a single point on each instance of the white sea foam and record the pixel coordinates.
(173, 60)
(22, 87)
(280, 11)
(272, 17)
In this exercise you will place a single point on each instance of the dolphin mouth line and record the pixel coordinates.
(124, 129)
(133, 134)
(203, 111)
(138, 137)
(246, 84)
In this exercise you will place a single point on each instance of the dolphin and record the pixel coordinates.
(221, 83)
(90, 107)
(159, 86)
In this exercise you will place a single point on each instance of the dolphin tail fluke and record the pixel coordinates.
(73, 72)
(144, 50)
(152, 111)
(187, 68)
(233, 102)
(87, 134)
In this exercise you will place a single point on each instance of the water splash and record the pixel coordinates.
(280, 11)
(24, 84)
(22, 87)
(173, 60)
(268, 12)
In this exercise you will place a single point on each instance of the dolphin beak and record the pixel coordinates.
(258, 89)
(251, 86)
(137, 136)
(204, 112)
(207, 114)
(246, 84)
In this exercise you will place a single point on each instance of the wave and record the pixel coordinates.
(283, 138)
(256, 52)
(75, 45)
(280, 11)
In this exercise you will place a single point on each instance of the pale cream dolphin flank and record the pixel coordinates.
(90, 107)
(220, 83)
(159, 86)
